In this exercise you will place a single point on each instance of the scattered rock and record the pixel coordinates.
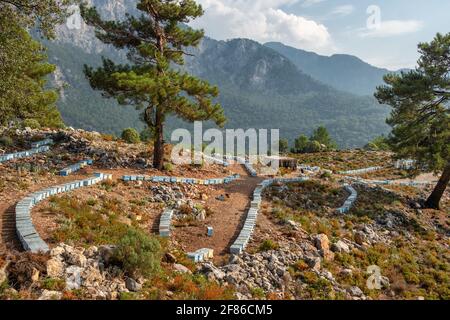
(355, 291)
(360, 237)
(133, 285)
(340, 247)
(55, 268)
(170, 258)
(314, 262)
(180, 268)
(50, 295)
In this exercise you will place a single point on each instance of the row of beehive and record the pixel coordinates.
(30, 239)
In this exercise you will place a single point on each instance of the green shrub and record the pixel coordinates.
(168, 167)
(147, 135)
(31, 123)
(138, 254)
(268, 245)
(6, 141)
(130, 135)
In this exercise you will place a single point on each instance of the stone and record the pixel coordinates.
(35, 275)
(91, 252)
(77, 259)
(73, 277)
(50, 295)
(170, 258)
(133, 285)
(355, 291)
(91, 277)
(3, 274)
(347, 272)
(57, 251)
(181, 269)
(293, 224)
(322, 242)
(340, 247)
(106, 253)
(314, 262)
(385, 282)
(360, 237)
(221, 198)
(55, 268)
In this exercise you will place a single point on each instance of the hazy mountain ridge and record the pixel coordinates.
(341, 71)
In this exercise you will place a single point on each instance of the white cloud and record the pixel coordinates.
(263, 21)
(344, 10)
(391, 28)
(309, 3)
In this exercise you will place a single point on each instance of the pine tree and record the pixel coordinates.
(301, 143)
(155, 42)
(23, 72)
(420, 117)
(42, 14)
(322, 136)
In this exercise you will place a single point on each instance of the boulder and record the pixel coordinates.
(77, 259)
(181, 269)
(322, 242)
(73, 277)
(314, 262)
(355, 291)
(106, 253)
(133, 285)
(360, 237)
(50, 295)
(340, 247)
(55, 268)
(170, 258)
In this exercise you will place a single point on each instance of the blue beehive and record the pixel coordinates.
(210, 231)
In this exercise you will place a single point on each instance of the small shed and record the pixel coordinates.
(283, 162)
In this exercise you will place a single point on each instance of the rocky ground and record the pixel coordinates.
(386, 247)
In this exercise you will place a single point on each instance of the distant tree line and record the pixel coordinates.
(319, 141)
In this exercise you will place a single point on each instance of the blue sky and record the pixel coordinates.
(384, 33)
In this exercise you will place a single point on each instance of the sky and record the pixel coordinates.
(384, 33)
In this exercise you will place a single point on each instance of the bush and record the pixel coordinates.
(268, 245)
(31, 123)
(138, 254)
(147, 135)
(130, 135)
(6, 141)
(168, 167)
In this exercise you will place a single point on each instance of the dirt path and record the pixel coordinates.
(228, 217)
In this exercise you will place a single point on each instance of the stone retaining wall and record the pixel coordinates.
(28, 236)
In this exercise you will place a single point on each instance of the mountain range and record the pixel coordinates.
(261, 86)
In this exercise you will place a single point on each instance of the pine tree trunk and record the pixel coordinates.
(158, 150)
(435, 197)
